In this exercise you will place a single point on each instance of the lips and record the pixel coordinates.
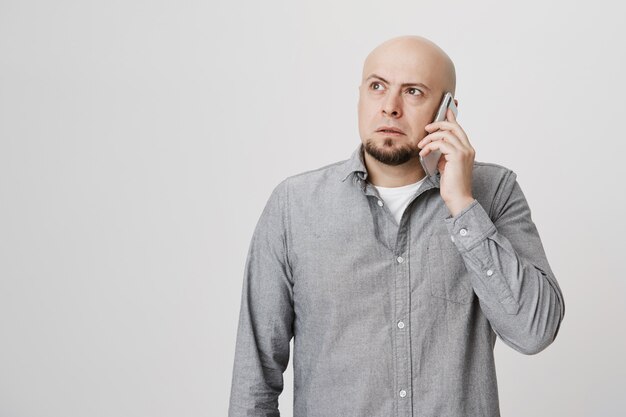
(389, 133)
(390, 130)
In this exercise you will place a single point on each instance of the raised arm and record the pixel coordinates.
(516, 288)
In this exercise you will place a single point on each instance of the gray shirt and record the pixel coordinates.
(388, 319)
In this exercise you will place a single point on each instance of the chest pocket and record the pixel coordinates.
(447, 275)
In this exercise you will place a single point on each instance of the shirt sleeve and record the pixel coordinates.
(266, 315)
(511, 277)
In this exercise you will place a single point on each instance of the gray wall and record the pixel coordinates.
(139, 142)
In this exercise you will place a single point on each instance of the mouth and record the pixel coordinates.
(390, 131)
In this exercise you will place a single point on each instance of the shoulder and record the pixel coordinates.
(307, 184)
(322, 172)
(489, 173)
(490, 181)
(312, 179)
(492, 169)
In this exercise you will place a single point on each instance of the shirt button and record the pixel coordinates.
(463, 232)
(402, 393)
(489, 272)
(380, 203)
(400, 259)
(401, 324)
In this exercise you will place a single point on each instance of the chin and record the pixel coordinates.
(389, 151)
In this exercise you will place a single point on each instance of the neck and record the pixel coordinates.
(383, 175)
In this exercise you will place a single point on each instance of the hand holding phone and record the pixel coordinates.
(430, 161)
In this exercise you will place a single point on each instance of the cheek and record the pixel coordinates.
(419, 121)
(417, 128)
(365, 106)
(368, 103)
(367, 114)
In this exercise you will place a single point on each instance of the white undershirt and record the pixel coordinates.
(397, 198)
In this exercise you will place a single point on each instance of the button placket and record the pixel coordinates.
(403, 344)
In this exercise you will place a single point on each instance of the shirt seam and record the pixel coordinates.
(498, 195)
(322, 168)
(288, 227)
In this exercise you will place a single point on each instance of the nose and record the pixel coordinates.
(392, 106)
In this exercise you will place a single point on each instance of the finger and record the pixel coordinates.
(452, 118)
(441, 164)
(444, 147)
(441, 134)
(445, 125)
(448, 125)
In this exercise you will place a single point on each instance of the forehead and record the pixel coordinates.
(404, 65)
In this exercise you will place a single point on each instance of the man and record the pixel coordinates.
(393, 284)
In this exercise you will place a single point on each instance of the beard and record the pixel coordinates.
(390, 153)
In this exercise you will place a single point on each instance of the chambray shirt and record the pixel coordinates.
(388, 319)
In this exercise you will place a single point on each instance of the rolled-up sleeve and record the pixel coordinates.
(511, 277)
(266, 315)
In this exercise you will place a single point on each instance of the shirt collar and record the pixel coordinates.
(356, 165)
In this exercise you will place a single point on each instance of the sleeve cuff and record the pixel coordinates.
(469, 227)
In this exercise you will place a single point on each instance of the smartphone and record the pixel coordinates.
(430, 161)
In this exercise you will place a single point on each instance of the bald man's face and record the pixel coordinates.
(401, 88)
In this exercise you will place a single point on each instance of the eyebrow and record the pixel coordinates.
(403, 85)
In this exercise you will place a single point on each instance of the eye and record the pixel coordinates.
(375, 83)
(416, 89)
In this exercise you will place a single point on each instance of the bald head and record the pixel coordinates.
(413, 53)
(404, 81)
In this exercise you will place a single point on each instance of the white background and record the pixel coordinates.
(140, 140)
